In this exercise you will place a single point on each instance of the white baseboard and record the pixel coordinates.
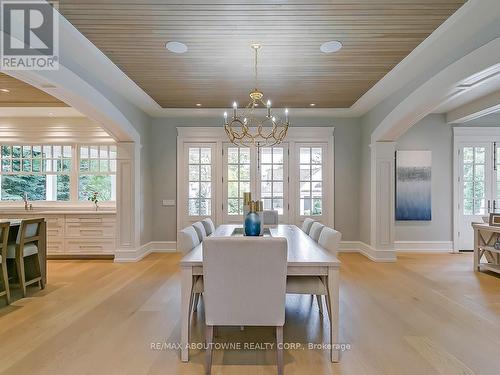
(368, 251)
(171, 246)
(424, 246)
(122, 256)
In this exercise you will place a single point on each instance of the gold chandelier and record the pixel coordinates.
(246, 128)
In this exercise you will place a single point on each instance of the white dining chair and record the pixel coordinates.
(200, 230)
(306, 225)
(270, 217)
(187, 240)
(315, 231)
(245, 280)
(329, 239)
(209, 226)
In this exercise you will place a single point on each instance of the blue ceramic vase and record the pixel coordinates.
(252, 224)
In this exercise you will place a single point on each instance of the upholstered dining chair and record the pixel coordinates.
(188, 239)
(200, 230)
(209, 226)
(315, 231)
(26, 245)
(270, 217)
(4, 237)
(329, 239)
(315, 285)
(306, 225)
(245, 282)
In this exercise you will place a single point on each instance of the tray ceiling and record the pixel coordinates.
(218, 67)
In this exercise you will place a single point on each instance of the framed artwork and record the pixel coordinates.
(413, 185)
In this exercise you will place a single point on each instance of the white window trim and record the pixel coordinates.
(295, 135)
(73, 173)
(463, 136)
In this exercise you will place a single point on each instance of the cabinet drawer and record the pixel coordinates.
(89, 246)
(55, 247)
(54, 232)
(55, 221)
(90, 230)
(91, 219)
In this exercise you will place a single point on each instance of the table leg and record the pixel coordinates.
(476, 250)
(186, 288)
(333, 296)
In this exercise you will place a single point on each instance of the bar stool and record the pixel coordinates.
(26, 245)
(4, 237)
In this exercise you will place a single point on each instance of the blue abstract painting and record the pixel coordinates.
(413, 185)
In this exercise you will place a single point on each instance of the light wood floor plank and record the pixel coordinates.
(425, 314)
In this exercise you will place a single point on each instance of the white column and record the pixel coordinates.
(382, 200)
(128, 200)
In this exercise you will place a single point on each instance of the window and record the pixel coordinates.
(200, 181)
(311, 181)
(42, 172)
(272, 165)
(97, 172)
(474, 188)
(238, 178)
(66, 173)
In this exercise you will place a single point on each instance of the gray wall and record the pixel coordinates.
(163, 145)
(434, 134)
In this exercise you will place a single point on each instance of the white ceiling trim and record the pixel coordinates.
(478, 108)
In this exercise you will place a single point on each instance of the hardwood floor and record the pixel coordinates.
(425, 314)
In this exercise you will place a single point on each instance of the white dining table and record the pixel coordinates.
(305, 257)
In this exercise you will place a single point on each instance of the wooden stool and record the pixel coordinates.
(27, 245)
(4, 237)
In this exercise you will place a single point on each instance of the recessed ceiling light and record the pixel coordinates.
(312, 104)
(198, 104)
(51, 113)
(176, 47)
(4, 90)
(331, 46)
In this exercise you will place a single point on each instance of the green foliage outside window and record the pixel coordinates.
(89, 184)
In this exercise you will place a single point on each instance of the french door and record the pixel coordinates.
(262, 171)
(199, 174)
(479, 187)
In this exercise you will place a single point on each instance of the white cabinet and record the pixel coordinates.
(74, 234)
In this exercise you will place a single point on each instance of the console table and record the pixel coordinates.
(485, 237)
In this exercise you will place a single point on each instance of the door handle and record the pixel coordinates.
(494, 205)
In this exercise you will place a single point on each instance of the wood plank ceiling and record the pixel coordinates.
(218, 67)
(23, 95)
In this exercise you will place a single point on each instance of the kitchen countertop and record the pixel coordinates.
(36, 212)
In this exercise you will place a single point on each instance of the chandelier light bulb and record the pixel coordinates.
(286, 115)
